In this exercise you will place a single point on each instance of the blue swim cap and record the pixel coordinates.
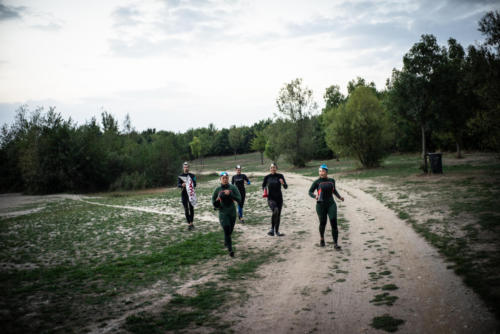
(224, 173)
(323, 166)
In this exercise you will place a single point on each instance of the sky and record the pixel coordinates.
(179, 64)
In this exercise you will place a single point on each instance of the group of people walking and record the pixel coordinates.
(227, 194)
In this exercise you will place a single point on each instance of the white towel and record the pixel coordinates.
(190, 191)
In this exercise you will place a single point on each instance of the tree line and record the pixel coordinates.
(444, 97)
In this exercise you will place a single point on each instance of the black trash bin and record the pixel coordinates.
(436, 164)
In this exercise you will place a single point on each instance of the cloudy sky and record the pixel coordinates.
(179, 64)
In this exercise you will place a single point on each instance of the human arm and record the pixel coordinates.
(264, 183)
(283, 182)
(335, 192)
(193, 177)
(245, 178)
(180, 182)
(215, 198)
(313, 187)
(235, 194)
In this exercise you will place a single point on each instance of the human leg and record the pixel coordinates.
(191, 212)
(273, 206)
(332, 214)
(322, 216)
(240, 206)
(188, 212)
(277, 219)
(185, 204)
(227, 223)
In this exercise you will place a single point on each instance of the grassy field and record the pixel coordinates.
(251, 162)
(75, 263)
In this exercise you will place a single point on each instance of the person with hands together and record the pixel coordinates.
(223, 200)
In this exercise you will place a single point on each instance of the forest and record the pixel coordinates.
(444, 98)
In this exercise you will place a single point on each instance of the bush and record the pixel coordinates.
(131, 181)
(360, 128)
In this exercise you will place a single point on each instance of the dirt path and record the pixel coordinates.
(313, 289)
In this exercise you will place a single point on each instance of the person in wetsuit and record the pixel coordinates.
(273, 182)
(181, 183)
(223, 200)
(325, 204)
(239, 181)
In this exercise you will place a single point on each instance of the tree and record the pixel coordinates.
(411, 90)
(195, 146)
(221, 143)
(361, 128)
(320, 150)
(295, 103)
(206, 145)
(333, 97)
(489, 25)
(163, 162)
(454, 100)
(46, 150)
(109, 123)
(259, 144)
(271, 150)
(127, 125)
(483, 74)
(353, 84)
(236, 139)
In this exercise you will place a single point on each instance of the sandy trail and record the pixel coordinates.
(313, 289)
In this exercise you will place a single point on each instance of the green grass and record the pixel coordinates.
(71, 264)
(384, 299)
(77, 289)
(200, 310)
(327, 290)
(182, 312)
(386, 323)
(247, 269)
(389, 287)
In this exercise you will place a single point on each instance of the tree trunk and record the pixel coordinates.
(261, 158)
(424, 148)
(459, 151)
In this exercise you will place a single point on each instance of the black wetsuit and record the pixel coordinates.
(188, 207)
(274, 197)
(325, 205)
(239, 182)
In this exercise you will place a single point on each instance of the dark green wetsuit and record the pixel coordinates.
(325, 205)
(227, 210)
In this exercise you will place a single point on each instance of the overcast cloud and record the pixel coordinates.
(174, 65)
